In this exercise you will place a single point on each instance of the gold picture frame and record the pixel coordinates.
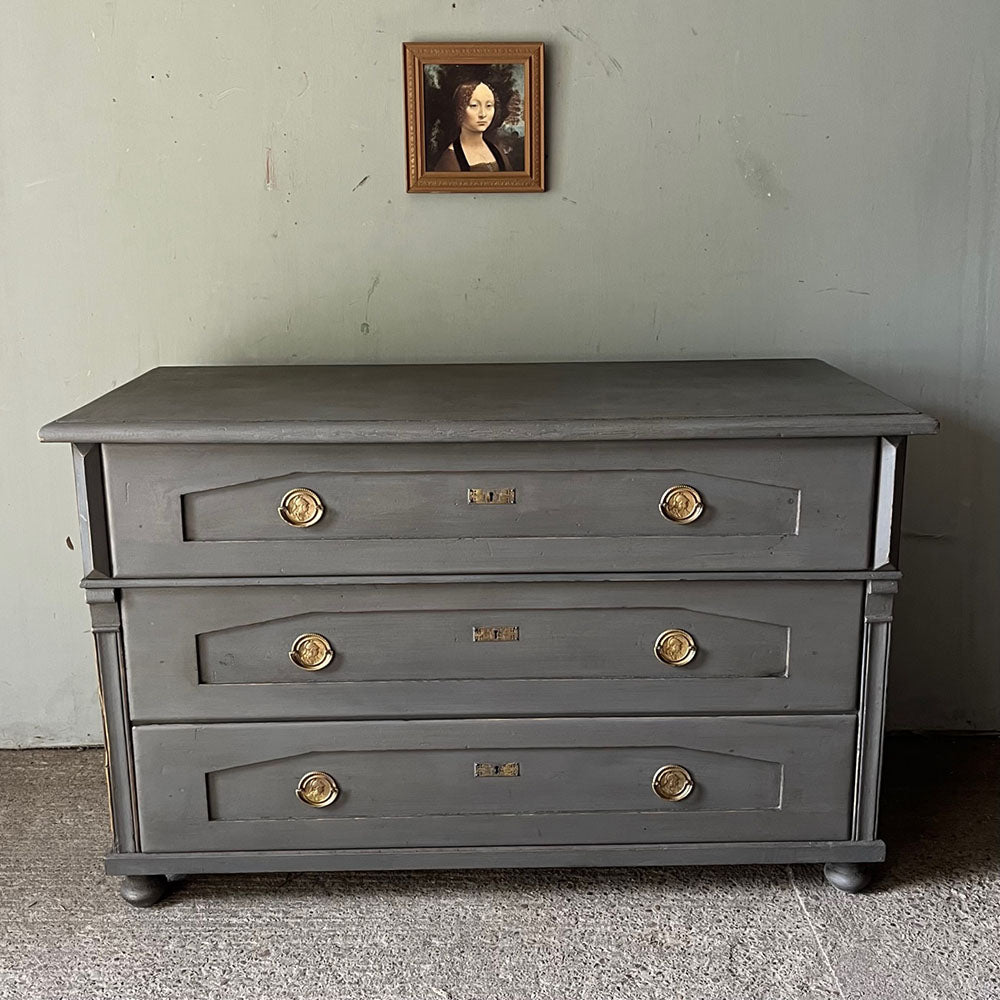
(474, 116)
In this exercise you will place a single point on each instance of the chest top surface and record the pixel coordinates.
(481, 402)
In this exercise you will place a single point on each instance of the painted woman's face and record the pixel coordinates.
(480, 109)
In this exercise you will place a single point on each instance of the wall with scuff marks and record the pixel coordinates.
(190, 182)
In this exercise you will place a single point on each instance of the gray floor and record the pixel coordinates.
(930, 928)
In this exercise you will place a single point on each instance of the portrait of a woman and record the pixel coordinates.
(474, 119)
(475, 109)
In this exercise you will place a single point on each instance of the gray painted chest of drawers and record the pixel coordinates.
(370, 617)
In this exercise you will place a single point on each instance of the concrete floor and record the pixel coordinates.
(930, 928)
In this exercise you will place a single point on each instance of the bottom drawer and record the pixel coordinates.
(494, 782)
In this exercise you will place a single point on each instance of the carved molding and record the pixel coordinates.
(878, 600)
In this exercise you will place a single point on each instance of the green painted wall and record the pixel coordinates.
(725, 180)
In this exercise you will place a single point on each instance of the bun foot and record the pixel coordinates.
(847, 877)
(143, 890)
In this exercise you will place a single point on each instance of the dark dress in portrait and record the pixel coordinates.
(453, 159)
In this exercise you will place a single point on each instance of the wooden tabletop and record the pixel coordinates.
(489, 402)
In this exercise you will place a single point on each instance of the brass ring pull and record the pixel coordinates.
(311, 651)
(675, 647)
(317, 789)
(682, 504)
(673, 782)
(300, 508)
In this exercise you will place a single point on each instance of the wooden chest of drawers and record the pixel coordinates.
(356, 617)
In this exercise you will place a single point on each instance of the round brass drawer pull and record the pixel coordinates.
(311, 651)
(300, 508)
(682, 504)
(317, 789)
(675, 647)
(673, 783)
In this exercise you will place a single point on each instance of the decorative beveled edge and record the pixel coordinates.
(545, 856)
(418, 178)
(95, 588)
(157, 431)
(879, 597)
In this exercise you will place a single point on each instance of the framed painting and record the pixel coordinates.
(474, 117)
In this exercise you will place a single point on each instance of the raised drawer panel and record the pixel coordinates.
(573, 506)
(475, 649)
(493, 782)
(427, 505)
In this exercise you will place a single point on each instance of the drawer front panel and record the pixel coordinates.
(576, 506)
(495, 782)
(475, 649)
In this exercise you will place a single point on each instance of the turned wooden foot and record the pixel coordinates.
(143, 890)
(847, 877)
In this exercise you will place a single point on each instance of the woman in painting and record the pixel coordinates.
(475, 107)
(471, 109)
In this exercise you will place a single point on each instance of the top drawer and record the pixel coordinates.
(213, 510)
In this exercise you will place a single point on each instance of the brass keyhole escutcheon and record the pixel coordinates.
(311, 651)
(300, 507)
(682, 504)
(492, 497)
(673, 782)
(317, 789)
(675, 647)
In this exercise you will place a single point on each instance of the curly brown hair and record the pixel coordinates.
(460, 101)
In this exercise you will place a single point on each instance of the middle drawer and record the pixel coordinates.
(465, 650)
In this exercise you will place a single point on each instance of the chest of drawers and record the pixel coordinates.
(370, 617)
